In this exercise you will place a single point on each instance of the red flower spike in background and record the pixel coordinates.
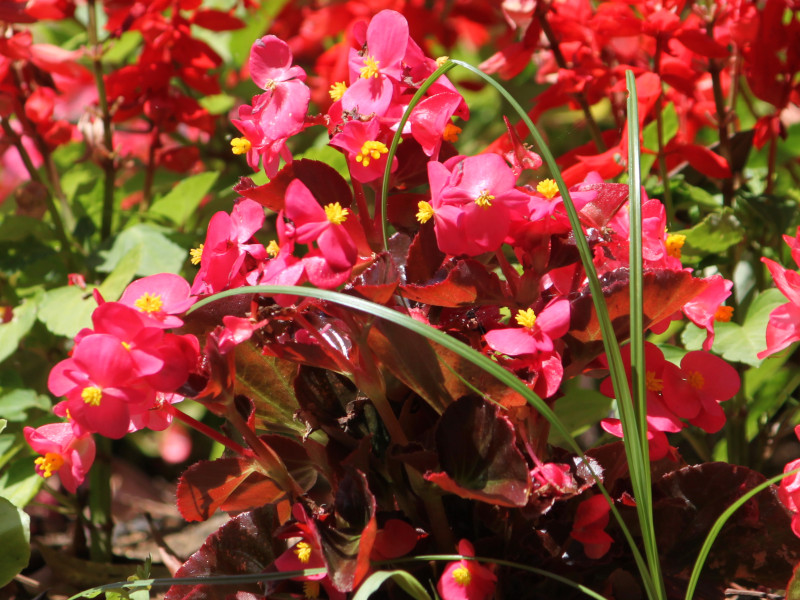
(466, 579)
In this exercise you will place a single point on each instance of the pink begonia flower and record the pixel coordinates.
(694, 390)
(159, 298)
(473, 200)
(99, 382)
(229, 242)
(365, 146)
(657, 442)
(466, 579)
(536, 332)
(237, 330)
(591, 519)
(63, 452)
(282, 268)
(175, 444)
(554, 478)
(325, 226)
(789, 490)
(783, 328)
(277, 114)
(375, 71)
(705, 308)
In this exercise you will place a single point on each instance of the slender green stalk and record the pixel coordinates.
(100, 502)
(109, 168)
(720, 523)
(639, 465)
(617, 370)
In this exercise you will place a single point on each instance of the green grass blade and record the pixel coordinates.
(633, 443)
(639, 462)
(720, 523)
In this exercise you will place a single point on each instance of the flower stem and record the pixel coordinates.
(206, 430)
(109, 167)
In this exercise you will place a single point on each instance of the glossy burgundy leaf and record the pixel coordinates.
(478, 455)
(378, 282)
(231, 484)
(467, 283)
(610, 197)
(242, 546)
(347, 541)
(424, 256)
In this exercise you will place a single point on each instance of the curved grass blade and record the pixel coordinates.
(720, 523)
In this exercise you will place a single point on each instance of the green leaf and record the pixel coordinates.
(16, 535)
(159, 253)
(24, 316)
(182, 201)
(15, 228)
(579, 409)
(3, 424)
(116, 282)
(739, 343)
(217, 104)
(20, 483)
(407, 582)
(716, 233)
(15, 403)
(66, 310)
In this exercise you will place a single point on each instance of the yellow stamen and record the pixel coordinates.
(337, 90)
(724, 314)
(149, 303)
(370, 68)
(696, 380)
(462, 576)
(441, 60)
(240, 145)
(484, 200)
(49, 464)
(674, 244)
(273, 249)
(311, 589)
(451, 133)
(303, 552)
(653, 383)
(547, 188)
(336, 214)
(371, 150)
(425, 212)
(126, 345)
(92, 395)
(196, 254)
(526, 318)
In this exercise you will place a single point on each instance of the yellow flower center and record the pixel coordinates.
(484, 199)
(451, 133)
(149, 303)
(240, 145)
(49, 464)
(196, 254)
(270, 84)
(303, 552)
(336, 214)
(526, 318)
(653, 383)
(92, 395)
(441, 60)
(696, 380)
(674, 244)
(724, 314)
(370, 68)
(311, 589)
(371, 150)
(425, 212)
(462, 576)
(337, 90)
(126, 345)
(273, 249)
(547, 188)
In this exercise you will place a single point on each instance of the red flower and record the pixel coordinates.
(62, 452)
(591, 519)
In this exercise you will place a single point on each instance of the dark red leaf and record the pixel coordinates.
(242, 546)
(468, 282)
(478, 455)
(232, 484)
(378, 282)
